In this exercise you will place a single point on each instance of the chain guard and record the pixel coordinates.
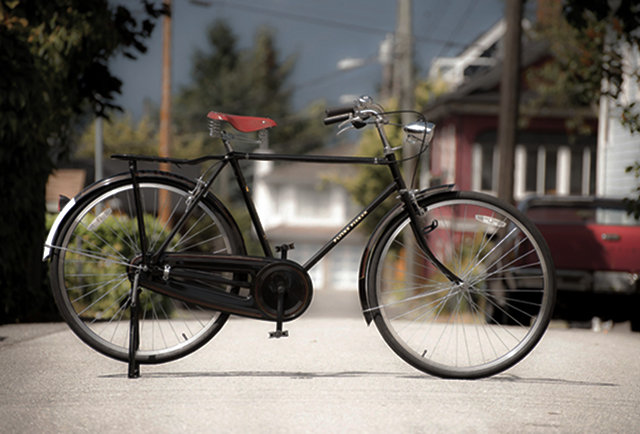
(285, 276)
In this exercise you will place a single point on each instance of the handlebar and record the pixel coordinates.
(365, 111)
(361, 110)
(337, 118)
(335, 111)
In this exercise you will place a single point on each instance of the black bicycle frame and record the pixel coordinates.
(233, 158)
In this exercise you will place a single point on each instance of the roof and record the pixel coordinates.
(481, 93)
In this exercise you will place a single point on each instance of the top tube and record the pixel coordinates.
(257, 156)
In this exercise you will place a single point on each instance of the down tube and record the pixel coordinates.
(350, 226)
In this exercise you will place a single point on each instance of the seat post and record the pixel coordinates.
(226, 140)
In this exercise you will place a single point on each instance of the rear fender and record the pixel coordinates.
(54, 228)
(62, 216)
(375, 237)
(104, 183)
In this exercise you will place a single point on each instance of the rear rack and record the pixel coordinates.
(176, 161)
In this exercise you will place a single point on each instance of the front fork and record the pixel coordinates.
(419, 220)
(422, 226)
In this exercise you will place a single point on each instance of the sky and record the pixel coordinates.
(319, 32)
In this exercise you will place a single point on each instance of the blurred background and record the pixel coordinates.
(531, 99)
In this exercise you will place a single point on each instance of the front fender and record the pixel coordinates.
(373, 241)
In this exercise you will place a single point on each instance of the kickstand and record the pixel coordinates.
(134, 329)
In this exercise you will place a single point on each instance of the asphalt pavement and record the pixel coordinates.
(333, 374)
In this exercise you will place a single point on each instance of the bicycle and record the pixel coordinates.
(147, 266)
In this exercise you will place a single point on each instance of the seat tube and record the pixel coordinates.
(133, 169)
(253, 214)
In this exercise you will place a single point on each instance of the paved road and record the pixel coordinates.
(331, 375)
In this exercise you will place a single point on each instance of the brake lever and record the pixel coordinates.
(343, 128)
(354, 122)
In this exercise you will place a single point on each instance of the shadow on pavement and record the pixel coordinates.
(299, 375)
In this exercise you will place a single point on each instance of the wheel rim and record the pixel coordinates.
(476, 328)
(99, 248)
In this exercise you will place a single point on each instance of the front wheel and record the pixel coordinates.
(98, 248)
(474, 328)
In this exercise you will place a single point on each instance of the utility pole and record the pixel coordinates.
(403, 86)
(165, 106)
(402, 89)
(509, 99)
(385, 57)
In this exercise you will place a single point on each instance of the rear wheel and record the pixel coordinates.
(475, 328)
(97, 248)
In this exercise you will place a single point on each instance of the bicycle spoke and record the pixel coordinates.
(480, 325)
(98, 251)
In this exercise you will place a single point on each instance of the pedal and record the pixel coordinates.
(279, 333)
(283, 249)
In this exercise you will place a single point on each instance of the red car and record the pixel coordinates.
(595, 246)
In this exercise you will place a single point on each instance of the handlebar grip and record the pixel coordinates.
(335, 119)
(335, 111)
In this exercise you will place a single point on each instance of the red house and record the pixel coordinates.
(548, 158)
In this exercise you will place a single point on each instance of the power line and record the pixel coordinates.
(436, 19)
(298, 17)
(456, 29)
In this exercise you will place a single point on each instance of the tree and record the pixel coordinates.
(603, 30)
(246, 82)
(54, 67)
(121, 135)
(633, 203)
(606, 30)
(369, 181)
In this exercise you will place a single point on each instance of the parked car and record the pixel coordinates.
(595, 246)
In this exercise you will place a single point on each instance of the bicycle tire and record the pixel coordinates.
(97, 242)
(479, 327)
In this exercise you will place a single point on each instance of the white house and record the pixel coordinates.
(481, 55)
(305, 204)
(617, 146)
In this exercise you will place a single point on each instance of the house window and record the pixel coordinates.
(577, 169)
(485, 164)
(548, 161)
(539, 169)
(344, 263)
(531, 169)
(550, 169)
(487, 167)
(313, 203)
